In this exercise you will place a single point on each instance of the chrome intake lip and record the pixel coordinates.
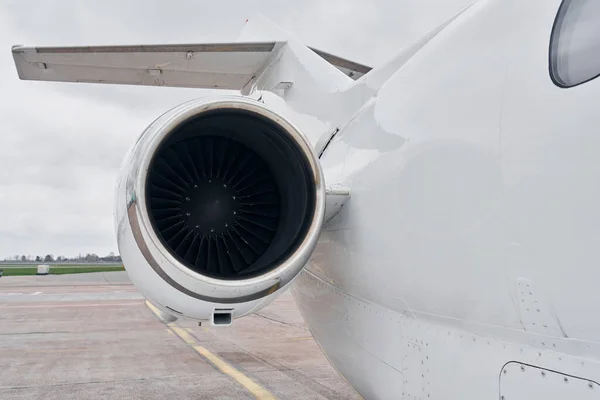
(163, 262)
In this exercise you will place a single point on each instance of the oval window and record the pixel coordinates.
(575, 43)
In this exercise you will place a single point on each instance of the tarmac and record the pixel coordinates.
(92, 336)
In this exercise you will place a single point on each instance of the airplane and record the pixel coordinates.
(436, 218)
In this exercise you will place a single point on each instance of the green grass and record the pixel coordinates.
(19, 271)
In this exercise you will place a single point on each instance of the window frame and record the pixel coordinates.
(553, 46)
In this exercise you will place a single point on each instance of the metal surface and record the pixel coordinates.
(203, 65)
(335, 198)
(523, 382)
(474, 205)
(352, 69)
(164, 48)
(472, 176)
(216, 65)
(147, 252)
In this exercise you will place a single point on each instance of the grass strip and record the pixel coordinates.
(21, 271)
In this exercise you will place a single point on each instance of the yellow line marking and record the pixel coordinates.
(258, 391)
(155, 310)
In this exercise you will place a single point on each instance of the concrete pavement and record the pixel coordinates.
(92, 336)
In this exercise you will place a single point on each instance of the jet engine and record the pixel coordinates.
(219, 206)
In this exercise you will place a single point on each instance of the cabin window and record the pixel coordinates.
(575, 43)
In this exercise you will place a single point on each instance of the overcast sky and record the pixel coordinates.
(61, 145)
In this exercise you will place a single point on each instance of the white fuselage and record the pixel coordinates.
(464, 265)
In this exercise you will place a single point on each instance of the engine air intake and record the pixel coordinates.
(230, 194)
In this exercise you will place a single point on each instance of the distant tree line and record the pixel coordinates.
(48, 258)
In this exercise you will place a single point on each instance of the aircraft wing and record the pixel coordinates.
(232, 66)
(215, 65)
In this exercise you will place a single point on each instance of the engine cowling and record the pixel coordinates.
(219, 206)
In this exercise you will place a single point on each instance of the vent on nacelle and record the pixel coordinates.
(229, 194)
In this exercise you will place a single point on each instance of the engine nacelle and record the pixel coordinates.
(219, 206)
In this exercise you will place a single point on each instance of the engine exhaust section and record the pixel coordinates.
(220, 204)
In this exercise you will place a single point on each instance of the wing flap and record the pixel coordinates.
(233, 66)
(215, 65)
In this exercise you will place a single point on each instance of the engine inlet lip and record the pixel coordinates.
(160, 130)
